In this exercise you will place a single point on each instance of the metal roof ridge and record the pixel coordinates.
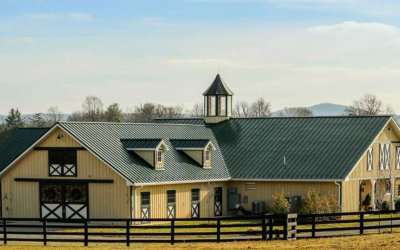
(132, 123)
(310, 117)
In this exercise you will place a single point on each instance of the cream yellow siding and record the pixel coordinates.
(350, 196)
(21, 199)
(361, 172)
(263, 191)
(158, 199)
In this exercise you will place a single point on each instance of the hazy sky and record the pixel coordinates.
(291, 52)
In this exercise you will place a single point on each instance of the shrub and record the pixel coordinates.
(315, 203)
(280, 204)
(397, 205)
(385, 206)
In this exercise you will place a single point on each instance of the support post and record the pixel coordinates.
(285, 227)
(172, 231)
(263, 227)
(218, 230)
(313, 222)
(5, 231)
(373, 194)
(128, 234)
(361, 223)
(44, 232)
(86, 233)
(270, 227)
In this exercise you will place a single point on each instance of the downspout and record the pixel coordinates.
(339, 194)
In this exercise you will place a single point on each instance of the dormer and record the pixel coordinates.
(151, 151)
(217, 101)
(199, 150)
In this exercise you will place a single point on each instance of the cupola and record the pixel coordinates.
(217, 101)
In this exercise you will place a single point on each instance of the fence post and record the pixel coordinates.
(285, 226)
(313, 218)
(128, 234)
(172, 231)
(5, 231)
(218, 230)
(86, 234)
(44, 233)
(270, 227)
(361, 223)
(263, 227)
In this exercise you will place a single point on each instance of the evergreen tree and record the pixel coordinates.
(114, 113)
(14, 119)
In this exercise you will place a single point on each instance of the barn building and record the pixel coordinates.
(199, 167)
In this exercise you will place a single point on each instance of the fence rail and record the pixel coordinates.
(220, 229)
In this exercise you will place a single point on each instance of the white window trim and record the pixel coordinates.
(159, 156)
(397, 157)
(207, 153)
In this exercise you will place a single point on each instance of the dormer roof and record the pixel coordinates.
(218, 87)
(141, 144)
(192, 144)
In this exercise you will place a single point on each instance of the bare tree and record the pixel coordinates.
(368, 105)
(92, 108)
(260, 108)
(54, 114)
(296, 112)
(149, 111)
(242, 109)
(197, 110)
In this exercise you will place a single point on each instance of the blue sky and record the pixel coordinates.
(291, 52)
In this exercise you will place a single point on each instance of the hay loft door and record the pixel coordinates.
(64, 201)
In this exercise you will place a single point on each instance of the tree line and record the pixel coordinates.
(93, 110)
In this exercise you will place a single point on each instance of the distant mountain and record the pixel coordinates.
(322, 109)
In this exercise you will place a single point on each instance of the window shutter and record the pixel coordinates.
(398, 158)
(370, 159)
(387, 156)
(381, 156)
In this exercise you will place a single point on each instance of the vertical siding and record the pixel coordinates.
(21, 199)
(350, 196)
(265, 190)
(361, 172)
(158, 199)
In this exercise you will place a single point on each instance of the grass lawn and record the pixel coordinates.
(376, 241)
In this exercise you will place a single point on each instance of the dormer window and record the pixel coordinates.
(150, 150)
(198, 150)
(207, 155)
(159, 156)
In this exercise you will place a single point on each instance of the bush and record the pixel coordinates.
(385, 206)
(397, 205)
(315, 203)
(279, 204)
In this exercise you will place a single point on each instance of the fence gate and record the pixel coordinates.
(63, 201)
(195, 203)
(145, 205)
(171, 204)
(218, 201)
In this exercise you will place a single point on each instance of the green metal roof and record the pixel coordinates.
(140, 143)
(190, 143)
(104, 139)
(17, 142)
(312, 148)
(193, 121)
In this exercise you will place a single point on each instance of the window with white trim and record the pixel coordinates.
(159, 156)
(207, 155)
(370, 159)
(62, 163)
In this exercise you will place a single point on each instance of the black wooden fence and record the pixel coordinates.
(263, 227)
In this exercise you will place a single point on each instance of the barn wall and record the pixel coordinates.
(158, 199)
(263, 191)
(21, 199)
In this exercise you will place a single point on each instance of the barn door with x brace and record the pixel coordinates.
(63, 201)
(218, 201)
(171, 204)
(145, 206)
(195, 203)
